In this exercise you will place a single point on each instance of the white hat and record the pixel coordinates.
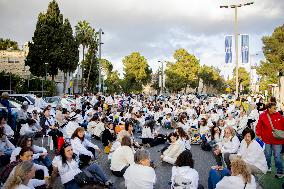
(25, 103)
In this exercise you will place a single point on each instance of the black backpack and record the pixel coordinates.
(205, 146)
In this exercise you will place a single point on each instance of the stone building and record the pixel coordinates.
(13, 61)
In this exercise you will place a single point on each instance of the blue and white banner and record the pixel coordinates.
(245, 48)
(228, 49)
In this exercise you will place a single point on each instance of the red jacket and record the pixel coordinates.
(264, 129)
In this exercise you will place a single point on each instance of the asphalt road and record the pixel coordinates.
(203, 161)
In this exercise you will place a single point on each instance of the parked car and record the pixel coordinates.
(55, 100)
(24, 97)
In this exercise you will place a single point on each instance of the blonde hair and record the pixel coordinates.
(232, 130)
(122, 134)
(239, 167)
(18, 177)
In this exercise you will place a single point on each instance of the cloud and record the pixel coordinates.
(154, 28)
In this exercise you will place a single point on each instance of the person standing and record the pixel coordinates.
(267, 120)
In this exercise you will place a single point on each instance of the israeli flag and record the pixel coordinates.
(245, 48)
(228, 49)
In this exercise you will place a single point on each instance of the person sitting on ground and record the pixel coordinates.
(39, 153)
(148, 132)
(22, 114)
(30, 129)
(252, 153)
(108, 135)
(6, 148)
(129, 127)
(172, 152)
(183, 122)
(22, 177)
(140, 174)
(215, 136)
(241, 177)
(117, 143)
(229, 145)
(26, 154)
(82, 147)
(96, 127)
(183, 137)
(8, 131)
(122, 157)
(71, 126)
(183, 173)
(67, 165)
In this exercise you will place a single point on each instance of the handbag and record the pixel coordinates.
(278, 134)
(83, 179)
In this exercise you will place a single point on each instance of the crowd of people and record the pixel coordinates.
(242, 134)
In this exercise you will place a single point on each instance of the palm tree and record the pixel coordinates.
(85, 36)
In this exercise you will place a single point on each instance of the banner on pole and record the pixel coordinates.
(245, 48)
(228, 49)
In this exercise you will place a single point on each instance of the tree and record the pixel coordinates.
(184, 72)
(85, 35)
(7, 43)
(113, 82)
(244, 80)
(136, 72)
(211, 77)
(47, 44)
(69, 51)
(272, 69)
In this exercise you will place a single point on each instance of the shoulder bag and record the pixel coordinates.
(278, 134)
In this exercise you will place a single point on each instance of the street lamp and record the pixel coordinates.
(162, 77)
(100, 56)
(251, 68)
(45, 70)
(235, 6)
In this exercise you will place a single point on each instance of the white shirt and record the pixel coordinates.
(69, 129)
(139, 176)
(26, 129)
(80, 147)
(37, 152)
(66, 171)
(8, 130)
(121, 157)
(175, 149)
(5, 145)
(32, 184)
(253, 154)
(147, 133)
(185, 176)
(229, 145)
(235, 182)
(186, 143)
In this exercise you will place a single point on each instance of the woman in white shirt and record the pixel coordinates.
(117, 143)
(183, 174)
(242, 122)
(252, 153)
(122, 157)
(23, 177)
(140, 174)
(82, 147)
(228, 145)
(30, 129)
(240, 177)
(96, 127)
(177, 147)
(184, 138)
(148, 132)
(67, 165)
(183, 122)
(6, 148)
(39, 155)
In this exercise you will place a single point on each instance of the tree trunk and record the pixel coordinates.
(82, 67)
(90, 71)
(64, 82)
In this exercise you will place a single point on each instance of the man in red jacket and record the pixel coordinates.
(264, 132)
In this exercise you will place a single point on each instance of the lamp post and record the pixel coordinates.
(100, 56)
(162, 77)
(251, 68)
(46, 64)
(236, 6)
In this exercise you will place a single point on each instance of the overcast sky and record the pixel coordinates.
(155, 28)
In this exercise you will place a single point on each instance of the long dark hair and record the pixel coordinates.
(213, 132)
(23, 141)
(185, 159)
(182, 133)
(62, 153)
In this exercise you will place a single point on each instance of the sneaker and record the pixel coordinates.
(269, 170)
(279, 175)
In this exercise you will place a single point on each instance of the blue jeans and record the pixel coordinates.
(277, 156)
(215, 176)
(71, 185)
(97, 173)
(45, 161)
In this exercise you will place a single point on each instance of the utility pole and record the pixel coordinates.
(100, 56)
(235, 6)
(162, 77)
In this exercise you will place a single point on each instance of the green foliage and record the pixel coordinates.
(136, 72)
(7, 43)
(244, 80)
(274, 58)
(183, 72)
(113, 82)
(50, 41)
(91, 68)
(211, 77)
